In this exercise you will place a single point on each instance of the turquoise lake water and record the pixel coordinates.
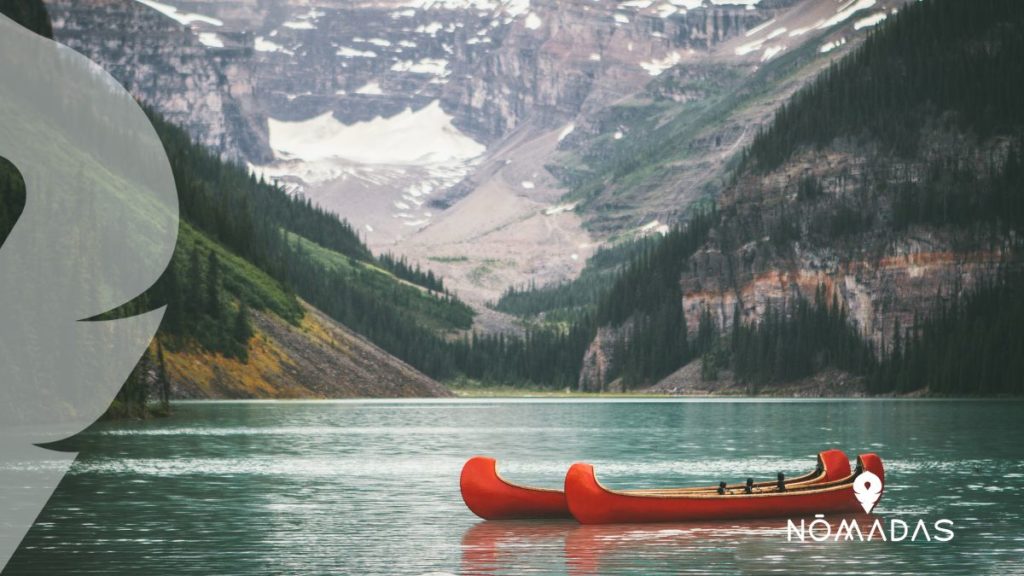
(372, 487)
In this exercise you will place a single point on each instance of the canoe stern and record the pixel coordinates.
(835, 463)
(491, 497)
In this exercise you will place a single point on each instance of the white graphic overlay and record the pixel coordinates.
(868, 488)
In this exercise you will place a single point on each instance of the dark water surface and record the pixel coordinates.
(372, 487)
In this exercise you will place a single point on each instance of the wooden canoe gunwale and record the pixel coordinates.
(812, 477)
(832, 486)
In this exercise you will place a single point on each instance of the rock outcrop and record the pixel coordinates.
(773, 247)
(165, 65)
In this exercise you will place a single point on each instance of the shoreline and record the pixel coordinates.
(498, 393)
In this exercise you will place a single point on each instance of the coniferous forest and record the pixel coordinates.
(312, 253)
(647, 294)
(933, 62)
(970, 344)
(935, 68)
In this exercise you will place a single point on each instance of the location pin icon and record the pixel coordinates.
(868, 488)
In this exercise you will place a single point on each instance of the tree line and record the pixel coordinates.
(564, 301)
(643, 289)
(789, 344)
(400, 267)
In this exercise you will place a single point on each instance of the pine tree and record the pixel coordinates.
(194, 287)
(174, 319)
(163, 381)
(213, 299)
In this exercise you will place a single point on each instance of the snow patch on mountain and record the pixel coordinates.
(772, 51)
(370, 89)
(346, 52)
(869, 21)
(430, 29)
(846, 11)
(653, 227)
(264, 45)
(656, 67)
(554, 210)
(211, 40)
(416, 151)
(184, 18)
(433, 66)
(569, 129)
(830, 46)
(418, 138)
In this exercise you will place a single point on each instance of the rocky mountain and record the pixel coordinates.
(432, 125)
(892, 197)
(886, 201)
(168, 66)
(631, 124)
(503, 143)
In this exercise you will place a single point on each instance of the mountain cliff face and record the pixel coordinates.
(520, 105)
(492, 64)
(566, 58)
(883, 276)
(167, 66)
(889, 191)
(647, 157)
(889, 195)
(619, 118)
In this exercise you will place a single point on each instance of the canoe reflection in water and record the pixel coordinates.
(564, 546)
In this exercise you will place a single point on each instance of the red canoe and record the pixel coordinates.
(592, 503)
(492, 497)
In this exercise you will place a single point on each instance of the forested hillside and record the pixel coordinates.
(901, 162)
(872, 227)
(246, 253)
(311, 252)
(247, 248)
